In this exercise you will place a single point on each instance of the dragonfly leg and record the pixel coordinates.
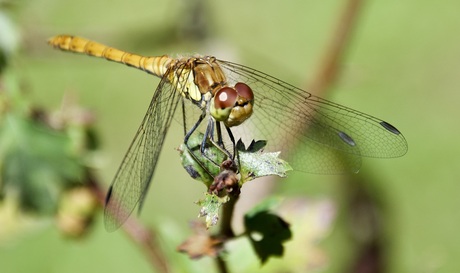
(230, 134)
(209, 134)
(220, 142)
(206, 135)
(190, 132)
(184, 120)
(190, 149)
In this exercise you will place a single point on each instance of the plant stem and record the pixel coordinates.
(144, 237)
(221, 265)
(225, 230)
(329, 69)
(327, 72)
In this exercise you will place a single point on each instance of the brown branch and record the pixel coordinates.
(228, 182)
(225, 229)
(144, 237)
(326, 74)
(226, 221)
(221, 264)
(329, 69)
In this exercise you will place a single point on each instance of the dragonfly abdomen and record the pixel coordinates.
(153, 65)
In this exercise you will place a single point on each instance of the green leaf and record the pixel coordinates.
(252, 163)
(253, 147)
(266, 231)
(210, 207)
(258, 164)
(9, 39)
(199, 166)
(36, 162)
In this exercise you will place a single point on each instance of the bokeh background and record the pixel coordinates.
(402, 64)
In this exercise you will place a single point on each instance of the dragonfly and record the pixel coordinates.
(310, 132)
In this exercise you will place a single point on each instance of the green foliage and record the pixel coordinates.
(42, 160)
(256, 163)
(266, 231)
(210, 207)
(37, 163)
(253, 163)
(9, 40)
(202, 167)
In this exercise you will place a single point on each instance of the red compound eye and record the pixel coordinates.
(225, 98)
(244, 91)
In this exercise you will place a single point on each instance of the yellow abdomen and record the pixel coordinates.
(153, 65)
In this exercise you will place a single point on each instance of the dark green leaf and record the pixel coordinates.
(267, 232)
(253, 147)
(256, 145)
(201, 167)
(240, 145)
(37, 163)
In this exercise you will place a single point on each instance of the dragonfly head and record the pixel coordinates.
(232, 105)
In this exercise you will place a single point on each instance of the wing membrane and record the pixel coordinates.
(132, 179)
(321, 130)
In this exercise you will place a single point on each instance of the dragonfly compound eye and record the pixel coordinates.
(244, 91)
(223, 102)
(243, 107)
(225, 98)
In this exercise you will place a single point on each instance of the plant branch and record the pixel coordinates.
(221, 264)
(329, 69)
(327, 72)
(225, 229)
(144, 237)
(326, 75)
(228, 181)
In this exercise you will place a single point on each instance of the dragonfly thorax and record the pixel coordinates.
(197, 78)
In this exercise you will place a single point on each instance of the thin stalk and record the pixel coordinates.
(144, 237)
(225, 229)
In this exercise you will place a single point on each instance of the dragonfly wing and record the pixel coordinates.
(132, 179)
(311, 131)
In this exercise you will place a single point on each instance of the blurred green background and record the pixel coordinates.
(402, 65)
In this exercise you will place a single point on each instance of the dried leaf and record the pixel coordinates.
(201, 243)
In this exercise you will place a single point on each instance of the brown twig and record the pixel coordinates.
(225, 230)
(144, 237)
(227, 181)
(226, 221)
(221, 264)
(327, 73)
(369, 258)
(329, 69)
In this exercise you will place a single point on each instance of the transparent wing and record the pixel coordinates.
(132, 179)
(310, 131)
